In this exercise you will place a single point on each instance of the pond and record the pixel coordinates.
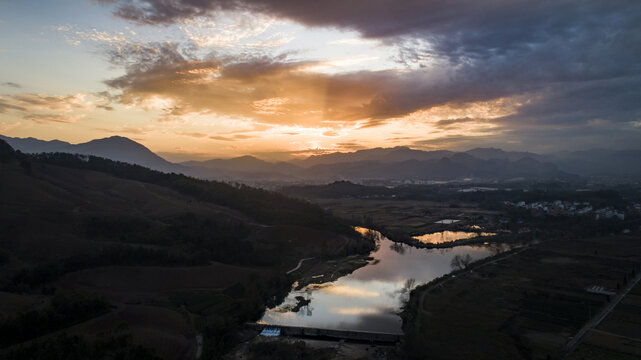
(370, 298)
(449, 236)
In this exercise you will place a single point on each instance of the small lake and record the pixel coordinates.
(449, 236)
(370, 298)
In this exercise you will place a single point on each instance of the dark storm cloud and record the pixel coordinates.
(449, 123)
(577, 61)
(455, 27)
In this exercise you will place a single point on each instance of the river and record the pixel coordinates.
(370, 298)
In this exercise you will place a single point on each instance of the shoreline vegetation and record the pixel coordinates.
(331, 270)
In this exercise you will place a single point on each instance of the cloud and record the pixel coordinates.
(39, 102)
(279, 90)
(232, 138)
(231, 30)
(52, 118)
(76, 36)
(193, 134)
(11, 84)
(123, 130)
(352, 41)
(273, 40)
(6, 106)
(571, 62)
(47, 109)
(350, 146)
(452, 25)
(450, 123)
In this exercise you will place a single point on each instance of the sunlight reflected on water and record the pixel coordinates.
(370, 298)
(448, 236)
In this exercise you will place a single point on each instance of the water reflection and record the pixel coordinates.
(449, 236)
(398, 247)
(370, 297)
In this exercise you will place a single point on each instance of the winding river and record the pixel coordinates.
(370, 298)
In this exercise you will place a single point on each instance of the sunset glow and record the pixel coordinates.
(198, 80)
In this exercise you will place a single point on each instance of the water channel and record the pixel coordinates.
(370, 298)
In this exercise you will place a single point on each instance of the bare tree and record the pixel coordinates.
(461, 262)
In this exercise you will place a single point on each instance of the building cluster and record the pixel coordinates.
(608, 213)
(569, 208)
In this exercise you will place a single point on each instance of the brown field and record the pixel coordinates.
(608, 346)
(523, 306)
(593, 352)
(625, 320)
(618, 336)
(408, 216)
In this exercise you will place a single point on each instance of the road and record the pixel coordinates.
(199, 346)
(299, 264)
(595, 321)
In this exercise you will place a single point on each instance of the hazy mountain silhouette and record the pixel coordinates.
(395, 154)
(599, 162)
(378, 163)
(244, 167)
(493, 153)
(458, 166)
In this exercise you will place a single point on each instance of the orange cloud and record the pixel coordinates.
(52, 118)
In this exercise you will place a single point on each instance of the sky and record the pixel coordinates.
(199, 79)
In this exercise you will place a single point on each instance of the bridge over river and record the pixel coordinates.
(349, 335)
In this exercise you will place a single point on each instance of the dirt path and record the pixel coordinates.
(299, 265)
(199, 346)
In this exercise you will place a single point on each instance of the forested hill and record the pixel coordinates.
(262, 205)
(145, 242)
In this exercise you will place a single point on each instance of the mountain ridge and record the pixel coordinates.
(399, 162)
(115, 147)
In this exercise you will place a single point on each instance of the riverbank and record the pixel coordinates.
(505, 238)
(320, 272)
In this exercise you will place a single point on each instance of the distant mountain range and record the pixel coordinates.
(378, 163)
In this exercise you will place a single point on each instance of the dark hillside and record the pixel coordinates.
(202, 256)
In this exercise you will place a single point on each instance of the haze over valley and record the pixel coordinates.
(382, 164)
